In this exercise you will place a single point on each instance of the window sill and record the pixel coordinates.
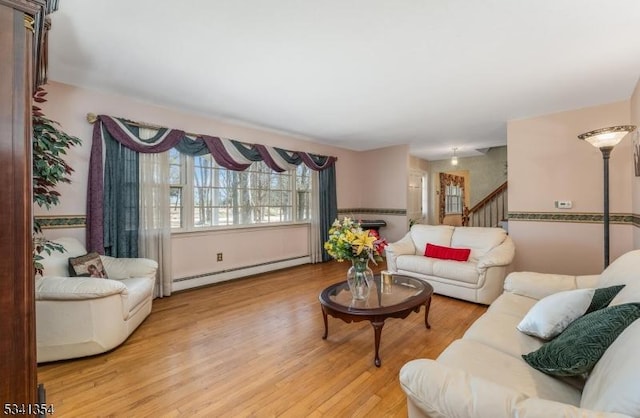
(230, 228)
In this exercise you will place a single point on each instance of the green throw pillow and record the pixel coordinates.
(603, 297)
(579, 347)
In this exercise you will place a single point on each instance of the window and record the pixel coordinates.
(204, 194)
(177, 180)
(453, 200)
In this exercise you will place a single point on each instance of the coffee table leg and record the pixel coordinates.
(326, 324)
(427, 305)
(377, 331)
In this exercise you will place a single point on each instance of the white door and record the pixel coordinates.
(415, 208)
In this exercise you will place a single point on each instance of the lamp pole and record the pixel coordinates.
(605, 139)
(606, 152)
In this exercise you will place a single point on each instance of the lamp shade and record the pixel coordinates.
(454, 160)
(607, 137)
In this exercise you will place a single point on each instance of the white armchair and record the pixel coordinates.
(83, 316)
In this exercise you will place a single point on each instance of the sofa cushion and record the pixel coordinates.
(512, 304)
(480, 360)
(88, 265)
(577, 350)
(57, 263)
(434, 234)
(479, 240)
(446, 253)
(456, 270)
(603, 297)
(416, 264)
(623, 270)
(612, 386)
(115, 267)
(553, 313)
(498, 330)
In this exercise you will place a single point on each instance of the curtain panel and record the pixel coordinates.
(228, 153)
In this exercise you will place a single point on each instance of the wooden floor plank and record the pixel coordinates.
(253, 348)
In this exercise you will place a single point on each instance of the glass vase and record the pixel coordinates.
(360, 278)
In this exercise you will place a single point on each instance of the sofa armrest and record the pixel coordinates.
(539, 285)
(501, 255)
(77, 288)
(439, 391)
(124, 268)
(404, 246)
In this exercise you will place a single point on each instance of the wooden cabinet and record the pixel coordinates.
(21, 47)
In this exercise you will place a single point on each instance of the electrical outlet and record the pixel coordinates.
(563, 204)
(219, 256)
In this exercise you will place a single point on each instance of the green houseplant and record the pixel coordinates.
(50, 144)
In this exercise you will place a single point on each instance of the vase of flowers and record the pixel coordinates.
(360, 278)
(348, 241)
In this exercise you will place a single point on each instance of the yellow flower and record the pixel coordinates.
(348, 236)
(363, 240)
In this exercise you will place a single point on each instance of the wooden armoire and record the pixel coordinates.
(23, 27)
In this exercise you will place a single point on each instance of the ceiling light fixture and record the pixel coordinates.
(454, 159)
(605, 139)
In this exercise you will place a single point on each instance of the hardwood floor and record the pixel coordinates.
(253, 348)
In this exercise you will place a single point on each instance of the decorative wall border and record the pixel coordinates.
(374, 211)
(575, 217)
(62, 221)
(80, 221)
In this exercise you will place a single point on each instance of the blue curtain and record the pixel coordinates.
(121, 204)
(328, 204)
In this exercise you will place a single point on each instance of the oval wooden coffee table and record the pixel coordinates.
(405, 295)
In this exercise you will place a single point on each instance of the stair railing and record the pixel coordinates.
(491, 210)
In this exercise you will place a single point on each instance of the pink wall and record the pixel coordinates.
(384, 186)
(69, 106)
(546, 163)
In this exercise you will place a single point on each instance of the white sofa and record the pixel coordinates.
(479, 279)
(484, 375)
(82, 316)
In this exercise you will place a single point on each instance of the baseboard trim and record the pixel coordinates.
(205, 279)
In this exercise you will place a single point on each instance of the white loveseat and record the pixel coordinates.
(484, 375)
(479, 279)
(82, 316)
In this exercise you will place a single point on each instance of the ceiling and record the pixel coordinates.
(359, 74)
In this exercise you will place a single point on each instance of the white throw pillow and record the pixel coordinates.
(552, 314)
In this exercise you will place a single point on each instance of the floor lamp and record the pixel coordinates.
(605, 139)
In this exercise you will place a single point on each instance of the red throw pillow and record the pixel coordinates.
(447, 253)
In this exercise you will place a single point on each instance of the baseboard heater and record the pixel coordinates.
(204, 279)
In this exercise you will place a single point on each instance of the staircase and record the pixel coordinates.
(491, 211)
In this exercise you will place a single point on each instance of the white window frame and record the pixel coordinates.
(453, 200)
(188, 206)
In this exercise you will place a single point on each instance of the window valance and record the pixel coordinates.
(228, 153)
